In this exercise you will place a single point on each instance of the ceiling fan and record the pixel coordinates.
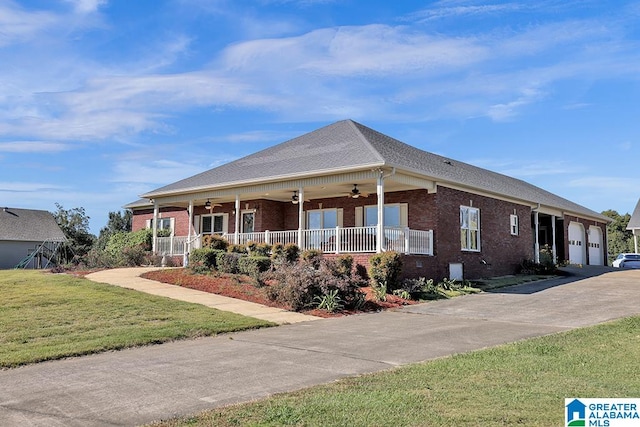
(209, 205)
(355, 192)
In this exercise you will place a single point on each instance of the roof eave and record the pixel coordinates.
(275, 178)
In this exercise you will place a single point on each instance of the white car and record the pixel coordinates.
(627, 261)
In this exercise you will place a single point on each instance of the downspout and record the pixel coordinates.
(554, 249)
(536, 220)
(300, 217)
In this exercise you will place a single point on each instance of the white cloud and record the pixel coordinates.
(27, 187)
(456, 11)
(86, 6)
(18, 25)
(32, 147)
(606, 183)
(159, 172)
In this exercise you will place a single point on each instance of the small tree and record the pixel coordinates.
(117, 222)
(385, 269)
(74, 223)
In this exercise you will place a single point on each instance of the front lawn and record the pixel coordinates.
(50, 316)
(520, 384)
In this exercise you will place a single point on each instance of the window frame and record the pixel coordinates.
(467, 232)
(514, 225)
(225, 221)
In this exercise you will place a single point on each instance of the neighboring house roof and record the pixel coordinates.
(29, 225)
(348, 145)
(634, 222)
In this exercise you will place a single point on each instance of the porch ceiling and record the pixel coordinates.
(317, 188)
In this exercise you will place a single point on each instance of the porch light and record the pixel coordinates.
(207, 205)
(294, 198)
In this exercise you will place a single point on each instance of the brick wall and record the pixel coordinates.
(500, 252)
(181, 223)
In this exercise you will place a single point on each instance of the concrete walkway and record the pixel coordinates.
(137, 386)
(130, 278)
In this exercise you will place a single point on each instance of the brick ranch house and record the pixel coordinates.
(346, 188)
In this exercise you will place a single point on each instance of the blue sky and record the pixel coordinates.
(102, 100)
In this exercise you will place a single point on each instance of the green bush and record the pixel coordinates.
(385, 269)
(312, 257)
(302, 286)
(342, 265)
(418, 288)
(122, 249)
(227, 262)
(259, 249)
(254, 265)
(204, 257)
(237, 249)
(285, 254)
(213, 241)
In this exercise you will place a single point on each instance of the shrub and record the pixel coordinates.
(341, 266)
(385, 269)
(291, 253)
(417, 288)
(285, 254)
(205, 257)
(227, 262)
(253, 266)
(261, 250)
(312, 257)
(300, 286)
(213, 241)
(237, 249)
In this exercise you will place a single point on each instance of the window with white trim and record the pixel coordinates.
(515, 230)
(163, 224)
(395, 215)
(323, 218)
(469, 228)
(213, 224)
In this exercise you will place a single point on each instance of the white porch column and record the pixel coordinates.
(185, 260)
(237, 233)
(154, 243)
(635, 240)
(536, 220)
(380, 228)
(300, 217)
(553, 246)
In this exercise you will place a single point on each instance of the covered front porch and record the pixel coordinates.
(365, 211)
(330, 240)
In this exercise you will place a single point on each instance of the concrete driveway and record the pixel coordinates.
(137, 386)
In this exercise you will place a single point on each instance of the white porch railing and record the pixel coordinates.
(347, 240)
(328, 240)
(176, 245)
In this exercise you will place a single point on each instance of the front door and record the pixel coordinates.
(248, 222)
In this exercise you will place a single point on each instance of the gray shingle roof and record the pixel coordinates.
(634, 222)
(350, 145)
(29, 225)
(336, 146)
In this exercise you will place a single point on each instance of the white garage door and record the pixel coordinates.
(576, 243)
(595, 245)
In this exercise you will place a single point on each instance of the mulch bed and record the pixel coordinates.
(242, 287)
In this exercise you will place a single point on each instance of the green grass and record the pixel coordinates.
(520, 384)
(50, 316)
(501, 282)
